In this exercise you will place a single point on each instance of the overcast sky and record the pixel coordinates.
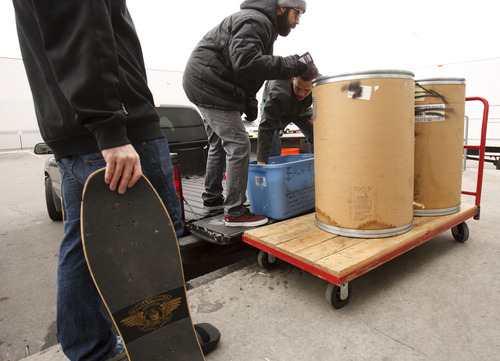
(342, 36)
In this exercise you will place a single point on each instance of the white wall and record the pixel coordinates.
(482, 80)
(16, 105)
(18, 121)
(166, 87)
(18, 125)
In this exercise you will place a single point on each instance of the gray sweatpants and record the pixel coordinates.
(230, 150)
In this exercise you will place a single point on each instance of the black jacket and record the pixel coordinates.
(87, 76)
(232, 61)
(281, 107)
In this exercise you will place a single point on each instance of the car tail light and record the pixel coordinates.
(178, 182)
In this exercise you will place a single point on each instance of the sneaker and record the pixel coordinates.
(208, 337)
(119, 353)
(247, 219)
(218, 203)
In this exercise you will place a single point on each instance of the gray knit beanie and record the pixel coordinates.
(299, 4)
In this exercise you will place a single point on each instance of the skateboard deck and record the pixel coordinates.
(132, 253)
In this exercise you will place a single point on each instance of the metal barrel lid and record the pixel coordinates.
(364, 233)
(430, 81)
(365, 75)
(436, 212)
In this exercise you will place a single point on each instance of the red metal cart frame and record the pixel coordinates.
(338, 291)
(482, 150)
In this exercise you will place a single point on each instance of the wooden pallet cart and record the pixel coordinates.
(339, 259)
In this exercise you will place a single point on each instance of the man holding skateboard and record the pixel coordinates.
(94, 109)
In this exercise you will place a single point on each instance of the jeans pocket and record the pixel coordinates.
(93, 159)
(86, 164)
(61, 165)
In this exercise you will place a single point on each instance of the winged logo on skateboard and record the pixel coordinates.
(153, 313)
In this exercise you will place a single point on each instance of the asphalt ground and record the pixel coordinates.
(438, 301)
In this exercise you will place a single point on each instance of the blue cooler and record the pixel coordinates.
(283, 188)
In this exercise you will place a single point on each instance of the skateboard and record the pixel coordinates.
(132, 253)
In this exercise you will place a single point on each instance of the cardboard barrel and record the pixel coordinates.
(364, 153)
(439, 141)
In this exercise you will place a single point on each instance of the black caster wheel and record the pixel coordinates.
(460, 232)
(338, 296)
(267, 261)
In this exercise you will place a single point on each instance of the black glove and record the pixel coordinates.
(251, 109)
(301, 67)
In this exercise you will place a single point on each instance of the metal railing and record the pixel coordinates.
(19, 139)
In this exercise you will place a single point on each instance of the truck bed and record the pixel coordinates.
(206, 225)
(209, 225)
(192, 189)
(212, 245)
(204, 250)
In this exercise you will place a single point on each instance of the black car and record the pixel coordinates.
(184, 130)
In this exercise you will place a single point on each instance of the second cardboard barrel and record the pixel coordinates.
(439, 135)
(364, 153)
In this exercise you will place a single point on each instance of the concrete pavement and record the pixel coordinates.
(436, 302)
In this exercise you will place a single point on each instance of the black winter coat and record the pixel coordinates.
(230, 64)
(281, 107)
(87, 76)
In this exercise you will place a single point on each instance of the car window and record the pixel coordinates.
(181, 124)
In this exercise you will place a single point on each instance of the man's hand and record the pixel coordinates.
(261, 163)
(301, 67)
(251, 109)
(123, 167)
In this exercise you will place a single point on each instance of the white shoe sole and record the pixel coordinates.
(246, 224)
(213, 208)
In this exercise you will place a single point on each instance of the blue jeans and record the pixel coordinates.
(305, 127)
(83, 331)
(230, 150)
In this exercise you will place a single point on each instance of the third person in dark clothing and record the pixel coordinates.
(222, 76)
(284, 102)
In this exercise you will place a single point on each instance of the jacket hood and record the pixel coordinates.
(267, 7)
